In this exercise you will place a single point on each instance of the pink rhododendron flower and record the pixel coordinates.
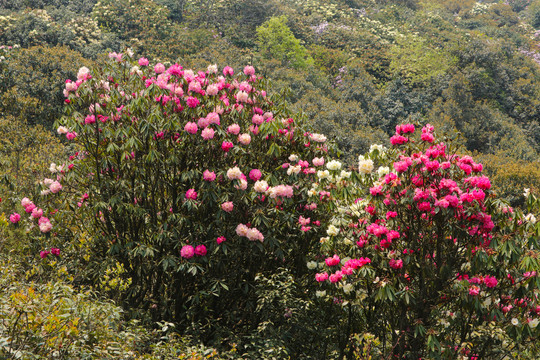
(37, 213)
(242, 96)
(241, 230)
(209, 175)
(242, 184)
(90, 119)
(490, 281)
(427, 137)
(226, 146)
(257, 119)
(303, 221)
(255, 174)
(336, 277)
(332, 261)
(321, 277)
(474, 290)
(192, 102)
(395, 264)
(212, 90)
(25, 202)
(45, 227)
(143, 61)
(249, 70)
(14, 218)
(187, 252)
(227, 206)
(227, 70)
(30, 207)
(55, 251)
(71, 135)
(43, 254)
(213, 118)
(244, 139)
(191, 128)
(233, 129)
(254, 234)
(398, 140)
(207, 133)
(191, 194)
(159, 68)
(200, 250)
(55, 187)
(221, 239)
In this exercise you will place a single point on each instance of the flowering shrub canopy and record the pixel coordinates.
(426, 256)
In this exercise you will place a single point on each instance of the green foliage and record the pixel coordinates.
(32, 80)
(276, 41)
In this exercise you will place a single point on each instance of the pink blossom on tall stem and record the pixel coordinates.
(192, 102)
(332, 261)
(227, 70)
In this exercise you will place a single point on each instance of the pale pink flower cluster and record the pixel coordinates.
(227, 206)
(244, 139)
(44, 224)
(280, 191)
(209, 175)
(234, 173)
(242, 96)
(251, 233)
(260, 186)
(55, 187)
(320, 138)
(191, 194)
(233, 129)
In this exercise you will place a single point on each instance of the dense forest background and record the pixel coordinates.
(353, 69)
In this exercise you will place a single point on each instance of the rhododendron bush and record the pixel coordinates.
(192, 181)
(426, 258)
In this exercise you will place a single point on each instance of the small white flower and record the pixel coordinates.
(526, 192)
(347, 288)
(294, 169)
(320, 293)
(293, 157)
(333, 165)
(515, 322)
(52, 168)
(345, 174)
(374, 147)
(365, 166)
(530, 218)
(311, 265)
(323, 174)
(383, 170)
(533, 323)
(332, 230)
(212, 69)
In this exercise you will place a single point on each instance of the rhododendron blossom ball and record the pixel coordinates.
(14, 218)
(255, 174)
(226, 146)
(207, 133)
(260, 186)
(187, 252)
(244, 139)
(318, 161)
(200, 250)
(191, 128)
(159, 68)
(191, 194)
(233, 129)
(45, 227)
(227, 206)
(209, 175)
(221, 239)
(55, 187)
